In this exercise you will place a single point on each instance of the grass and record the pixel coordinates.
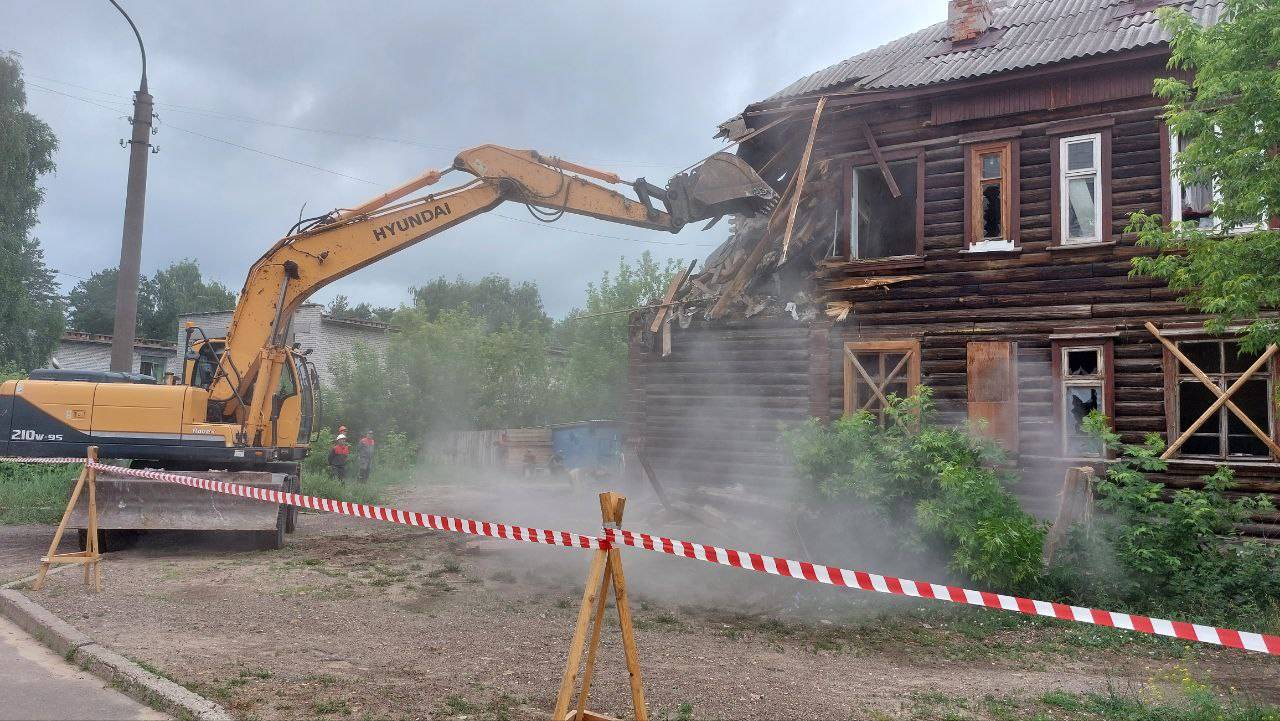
(31, 493)
(330, 707)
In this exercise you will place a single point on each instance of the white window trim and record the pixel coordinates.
(1064, 183)
(1175, 194)
(1098, 380)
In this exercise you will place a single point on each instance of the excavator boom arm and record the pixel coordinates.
(302, 263)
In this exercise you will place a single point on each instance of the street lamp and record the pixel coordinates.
(126, 323)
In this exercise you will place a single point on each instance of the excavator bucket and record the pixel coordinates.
(141, 504)
(723, 184)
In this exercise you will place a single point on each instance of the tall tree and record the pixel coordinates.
(494, 298)
(1228, 115)
(93, 303)
(31, 314)
(596, 336)
(179, 288)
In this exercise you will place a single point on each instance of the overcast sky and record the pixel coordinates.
(637, 88)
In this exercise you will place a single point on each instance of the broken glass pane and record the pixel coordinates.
(992, 212)
(1080, 155)
(1080, 401)
(1080, 208)
(1202, 444)
(1082, 362)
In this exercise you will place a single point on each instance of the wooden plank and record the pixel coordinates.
(62, 527)
(672, 288)
(802, 174)
(743, 273)
(894, 190)
(590, 593)
(596, 624)
(992, 382)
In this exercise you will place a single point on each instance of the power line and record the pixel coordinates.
(222, 115)
(321, 169)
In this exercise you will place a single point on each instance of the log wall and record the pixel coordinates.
(708, 414)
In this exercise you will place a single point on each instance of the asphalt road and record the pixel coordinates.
(37, 684)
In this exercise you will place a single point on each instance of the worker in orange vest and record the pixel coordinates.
(338, 456)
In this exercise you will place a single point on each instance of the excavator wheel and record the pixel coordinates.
(274, 539)
(292, 484)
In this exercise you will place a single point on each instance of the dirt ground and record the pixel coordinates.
(367, 620)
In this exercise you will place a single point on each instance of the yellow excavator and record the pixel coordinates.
(244, 407)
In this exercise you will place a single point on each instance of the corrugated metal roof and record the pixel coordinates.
(1035, 32)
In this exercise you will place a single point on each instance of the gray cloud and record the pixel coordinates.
(636, 88)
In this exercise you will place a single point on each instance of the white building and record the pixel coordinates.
(92, 352)
(312, 328)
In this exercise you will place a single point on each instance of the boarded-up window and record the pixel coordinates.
(1224, 435)
(874, 370)
(993, 390)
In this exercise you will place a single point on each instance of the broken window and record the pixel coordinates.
(1080, 184)
(1223, 435)
(875, 370)
(1082, 389)
(989, 195)
(883, 226)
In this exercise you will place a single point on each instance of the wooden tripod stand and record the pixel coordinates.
(606, 567)
(89, 557)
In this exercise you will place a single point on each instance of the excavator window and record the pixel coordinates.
(205, 367)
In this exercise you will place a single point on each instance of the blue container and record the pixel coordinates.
(593, 445)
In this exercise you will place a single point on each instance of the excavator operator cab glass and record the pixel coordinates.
(203, 367)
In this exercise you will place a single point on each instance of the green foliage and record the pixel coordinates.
(1230, 115)
(179, 288)
(1192, 701)
(942, 482)
(31, 314)
(594, 379)
(493, 298)
(1176, 550)
(34, 493)
(340, 307)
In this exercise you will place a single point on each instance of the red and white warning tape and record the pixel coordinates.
(834, 576)
(362, 510)
(830, 575)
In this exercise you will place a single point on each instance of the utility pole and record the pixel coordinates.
(126, 325)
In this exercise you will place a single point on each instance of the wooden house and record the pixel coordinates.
(961, 199)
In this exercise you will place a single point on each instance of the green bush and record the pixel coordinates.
(1175, 550)
(944, 483)
(34, 493)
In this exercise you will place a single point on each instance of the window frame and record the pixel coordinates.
(1172, 190)
(844, 235)
(1064, 178)
(1061, 381)
(910, 347)
(1010, 210)
(1104, 212)
(1174, 374)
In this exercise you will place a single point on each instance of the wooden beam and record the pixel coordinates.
(672, 288)
(894, 190)
(802, 172)
(1223, 397)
